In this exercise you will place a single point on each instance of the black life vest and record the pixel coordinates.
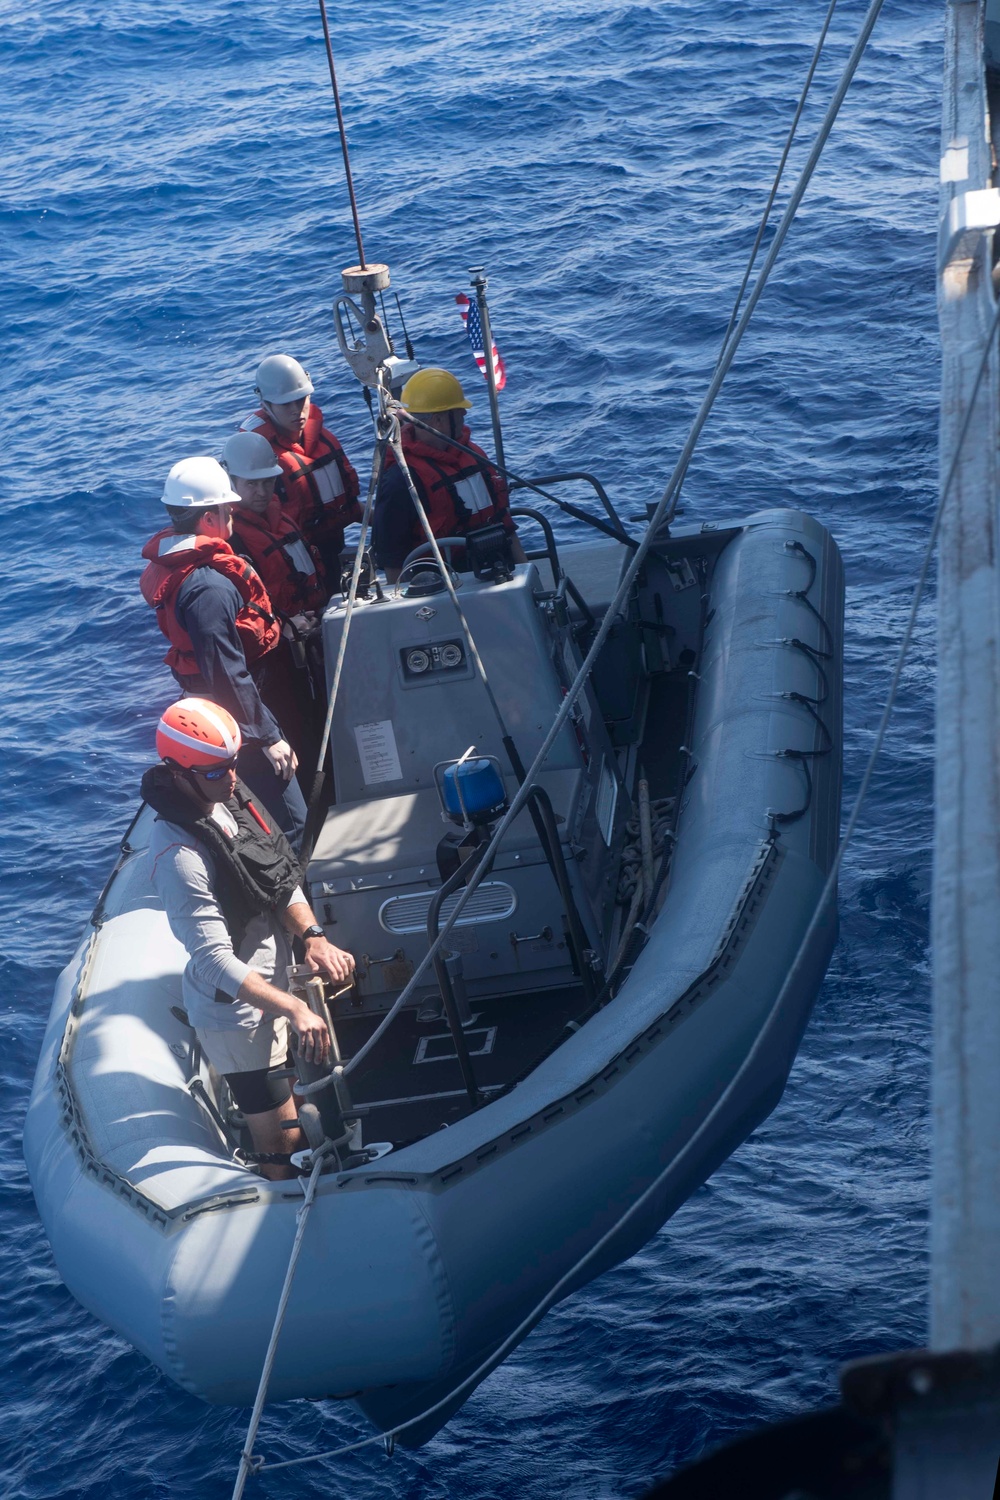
(255, 872)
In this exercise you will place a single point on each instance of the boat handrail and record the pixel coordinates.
(125, 852)
(550, 550)
(581, 515)
(615, 530)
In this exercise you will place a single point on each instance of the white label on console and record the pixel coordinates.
(377, 749)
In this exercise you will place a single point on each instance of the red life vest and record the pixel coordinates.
(281, 555)
(460, 492)
(172, 556)
(318, 485)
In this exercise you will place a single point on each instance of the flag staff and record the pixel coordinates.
(479, 282)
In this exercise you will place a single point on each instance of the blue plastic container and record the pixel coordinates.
(482, 791)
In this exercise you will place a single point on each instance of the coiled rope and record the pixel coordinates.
(630, 870)
(772, 1025)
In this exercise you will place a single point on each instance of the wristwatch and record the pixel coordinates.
(314, 931)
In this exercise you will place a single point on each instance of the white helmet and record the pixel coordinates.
(281, 378)
(197, 483)
(247, 455)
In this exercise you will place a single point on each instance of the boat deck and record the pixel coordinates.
(412, 1084)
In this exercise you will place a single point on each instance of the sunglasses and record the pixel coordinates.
(217, 772)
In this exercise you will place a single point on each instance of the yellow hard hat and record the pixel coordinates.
(434, 390)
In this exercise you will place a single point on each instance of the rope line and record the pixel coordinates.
(729, 351)
(663, 511)
(778, 175)
(662, 514)
(772, 1022)
(247, 1462)
(768, 206)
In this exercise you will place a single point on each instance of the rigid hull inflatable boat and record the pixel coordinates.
(575, 1043)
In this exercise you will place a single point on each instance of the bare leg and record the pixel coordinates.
(269, 1137)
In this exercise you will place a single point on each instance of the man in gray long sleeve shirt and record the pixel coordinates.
(235, 919)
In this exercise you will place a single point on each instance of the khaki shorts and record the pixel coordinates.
(246, 1050)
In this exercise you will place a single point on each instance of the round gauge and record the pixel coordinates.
(417, 661)
(450, 655)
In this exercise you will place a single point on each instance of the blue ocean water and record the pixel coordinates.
(172, 207)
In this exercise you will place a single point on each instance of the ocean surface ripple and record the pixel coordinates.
(172, 208)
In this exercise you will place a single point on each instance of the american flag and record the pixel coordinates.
(470, 317)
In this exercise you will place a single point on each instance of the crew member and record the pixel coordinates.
(319, 488)
(215, 612)
(288, 567)
(230, 886)
(459, 492)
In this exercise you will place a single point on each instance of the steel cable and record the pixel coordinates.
(771, 1023)
(662, 514)
(820, 914)
(778, 175)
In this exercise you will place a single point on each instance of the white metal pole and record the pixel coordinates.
(965, 1193)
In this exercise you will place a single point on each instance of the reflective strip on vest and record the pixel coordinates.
(299, 556)
(169, 545)
(329, 484)
(474, 493)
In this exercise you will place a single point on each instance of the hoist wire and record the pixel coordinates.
(661, 515)
(246, 1457)
(343, 135)
(771, 1029)
(765, 217)
(778, 175)
(728, 353)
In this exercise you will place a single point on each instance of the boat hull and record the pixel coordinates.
(414, 1269)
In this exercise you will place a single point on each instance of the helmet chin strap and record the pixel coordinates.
(271, 413)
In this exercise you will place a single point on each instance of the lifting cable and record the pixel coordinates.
(769, 1033)
(778, 175)
(771, 1028)
(343, 135)
(246, 1457)
(662, 515)
(774, 187)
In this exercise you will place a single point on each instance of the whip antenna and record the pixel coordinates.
(343, 136)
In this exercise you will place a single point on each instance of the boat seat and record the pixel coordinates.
(596, 569)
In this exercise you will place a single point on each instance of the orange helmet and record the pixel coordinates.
(194, 733)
